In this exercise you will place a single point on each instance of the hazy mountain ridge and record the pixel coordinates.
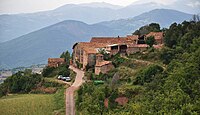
(102, 5)
(162, 16)
(36, 47)
(13, 26)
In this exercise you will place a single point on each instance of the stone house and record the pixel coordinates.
(158, 36)
(101, 65)
(55, 62)
(84, 53)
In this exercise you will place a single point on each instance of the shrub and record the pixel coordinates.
(147, 75)
(117, 60)
(22, 82)
(48, 72)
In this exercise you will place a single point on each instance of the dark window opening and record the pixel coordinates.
(114, 48)
(141, 40)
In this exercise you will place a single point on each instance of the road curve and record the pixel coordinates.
(70, 104)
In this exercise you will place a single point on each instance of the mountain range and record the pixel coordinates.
(37, 46)
(16, 25)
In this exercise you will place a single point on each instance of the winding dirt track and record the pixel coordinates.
(70, 104)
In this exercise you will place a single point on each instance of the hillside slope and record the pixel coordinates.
(36, 47)
(162, 16)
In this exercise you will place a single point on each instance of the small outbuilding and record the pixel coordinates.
(55, 62)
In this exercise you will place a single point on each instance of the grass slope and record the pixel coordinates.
(33, 104)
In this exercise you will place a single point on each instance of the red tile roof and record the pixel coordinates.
(90, 50)
(138, 45)
(99, 64)
(99, 54)
(110, 40)
(157, 35)
(132, 37)
(56, 60)
(103, 42)
(90, 47)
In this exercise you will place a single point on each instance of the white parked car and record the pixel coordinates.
(66, 78)
(60, 77)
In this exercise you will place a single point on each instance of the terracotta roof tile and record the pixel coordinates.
(99, 64)
(157, 35)
(99, 54)
(132, 37)
(91, 47)
(90, 50)
(56, 59)
(110, 40)
(138, 45)
(92, 44)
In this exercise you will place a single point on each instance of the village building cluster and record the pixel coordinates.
(87, 53)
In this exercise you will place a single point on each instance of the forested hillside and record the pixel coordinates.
(165, 81)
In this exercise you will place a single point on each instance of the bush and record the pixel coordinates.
(117, 60)
(48, 72)
(22, 82)
(79, 65)
(3, 90)
(147, 75)
(63, 70)
(52, 72)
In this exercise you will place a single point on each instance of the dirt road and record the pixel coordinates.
(70, 104)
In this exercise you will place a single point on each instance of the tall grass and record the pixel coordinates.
(33, 104)
(27, 104)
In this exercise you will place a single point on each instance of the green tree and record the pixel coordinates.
(67, 57)
(167, 55)
(150, 41)
(147, 75)
(102, 51)
(153, 27)
(48, 72)
(22, 82)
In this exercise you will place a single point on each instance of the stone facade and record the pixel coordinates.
(102, 66)
(55, 62)
(85, 53)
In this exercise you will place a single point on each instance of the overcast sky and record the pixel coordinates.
(24, 6)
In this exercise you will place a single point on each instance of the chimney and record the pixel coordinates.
(99, 58)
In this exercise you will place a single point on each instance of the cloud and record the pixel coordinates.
(164, 2)
(23, 6)
(195, 4)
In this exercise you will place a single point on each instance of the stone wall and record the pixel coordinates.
(132, 50)
(103, 69)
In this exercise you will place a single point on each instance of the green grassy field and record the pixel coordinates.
(33, 104)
